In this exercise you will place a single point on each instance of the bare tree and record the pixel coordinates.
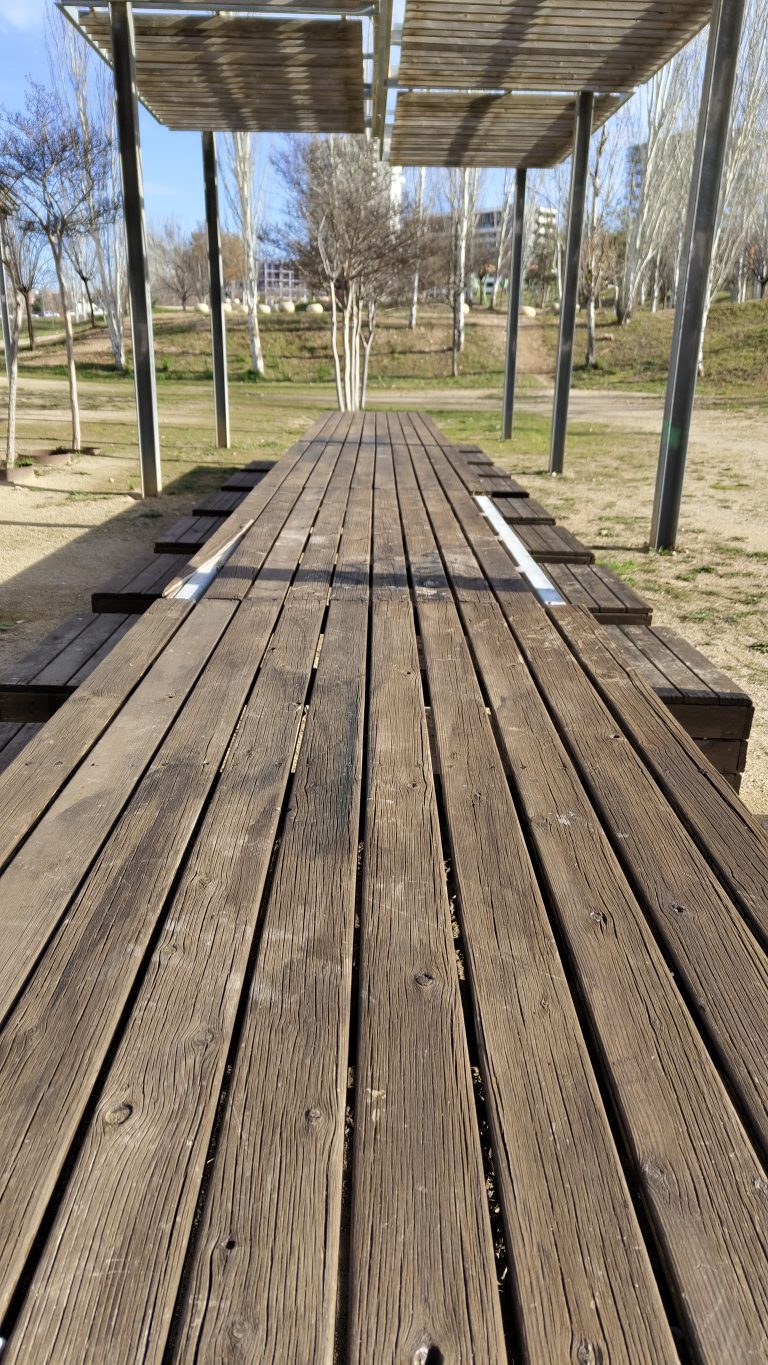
(82, 256)
(347, 235)
(27, 252)
(174, 262)
(757, 245)
(41, 153)
(244, 195)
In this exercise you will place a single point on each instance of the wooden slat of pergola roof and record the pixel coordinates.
(543, 44)
(222, 73)
(487, 130)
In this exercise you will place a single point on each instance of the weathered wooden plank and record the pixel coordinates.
(554, 545)
(265, 1266)
(422, 1268)
(140, 591)
(40, 654)
(40, 882)
(550, 1135)
(187, 535)
(218, 504)
(515, 510)
(132, 1202)
(30, 783)
(670, 1096)
(290, 516)
(265, 1263)
(722, 826)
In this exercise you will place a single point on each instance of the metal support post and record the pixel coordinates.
(709, 158)
(568, 304)
(124, 63)
(515, 299)
(216, 277)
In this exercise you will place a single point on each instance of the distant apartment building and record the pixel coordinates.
(279, 280)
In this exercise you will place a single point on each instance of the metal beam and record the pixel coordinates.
(709, 158)
(124, 65)
(579, 167)
(515, 299)
(216, 278)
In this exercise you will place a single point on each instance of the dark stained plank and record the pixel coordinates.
(218, 504)
(600, 591)
(422, 1266)
(30, 783)
(722, 826)
(130, 1200)
(41, 654)
(42, 879)
(703, 1182)
(187, 535)
(14, 738)
(516, 510)
(550, 1129)
(243, 480)
(554, 545)
(137, 593)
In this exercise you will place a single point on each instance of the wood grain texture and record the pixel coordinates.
(700, 1175)
(422, 1266)
(131, 1202)
(30, 783)
(265, 1267)
(723, 827)
(37, 887)
(549, 1126)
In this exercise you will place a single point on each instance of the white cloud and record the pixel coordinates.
(22, 14)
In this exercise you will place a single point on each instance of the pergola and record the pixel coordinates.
(522, 84)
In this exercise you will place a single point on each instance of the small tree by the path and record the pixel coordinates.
(41, 155)
(347, 235)
(27, 253)
(174, 263)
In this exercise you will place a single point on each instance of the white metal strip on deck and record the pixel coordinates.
(193, 587)
(542, 586)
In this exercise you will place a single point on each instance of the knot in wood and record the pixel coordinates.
(424, 979)
(312, 1117)
(115, 1117)
(587, 1353)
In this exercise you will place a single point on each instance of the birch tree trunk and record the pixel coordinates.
(460, 269)
(335, 349)
(243, 167)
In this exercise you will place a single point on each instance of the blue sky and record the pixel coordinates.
(172, 161)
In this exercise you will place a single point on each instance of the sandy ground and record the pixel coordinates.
(74, 529)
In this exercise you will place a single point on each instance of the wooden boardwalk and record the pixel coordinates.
(384, 969)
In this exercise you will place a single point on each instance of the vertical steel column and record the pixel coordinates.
(515, 299)
(216, 277)
(579, 167)
(709, 157)
(126, 101)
